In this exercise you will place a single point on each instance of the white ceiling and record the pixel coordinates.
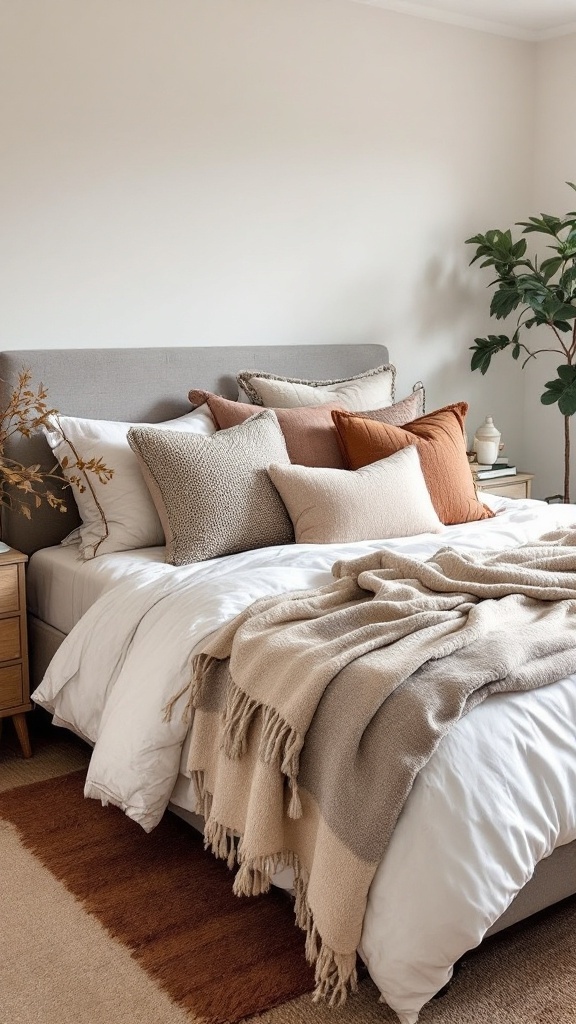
(524, 19)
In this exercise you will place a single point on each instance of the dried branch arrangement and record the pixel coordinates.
(24, 488)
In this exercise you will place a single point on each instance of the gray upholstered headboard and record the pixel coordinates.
(146, 385)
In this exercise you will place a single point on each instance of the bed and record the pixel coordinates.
(150, 386)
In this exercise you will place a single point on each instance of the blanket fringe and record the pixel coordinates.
(279, 740)
(221, 841)
(169, 707)
(203, 665)
(335, 973)
(203, 797)
(238, 717)
(336, 976)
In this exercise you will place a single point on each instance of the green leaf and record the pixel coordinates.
(543, 224)
(562, 390)
(519, 248)
(567, 374)
(550, 267)
(484, 348)
(504, 300)
(568, 279)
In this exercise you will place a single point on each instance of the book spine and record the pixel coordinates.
(490, 474)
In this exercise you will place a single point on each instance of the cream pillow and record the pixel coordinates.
(118, 515)
(369, 390)
(382, 500)
(213, 494)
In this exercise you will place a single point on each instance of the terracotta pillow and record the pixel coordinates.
(309, 433)
(440, 440)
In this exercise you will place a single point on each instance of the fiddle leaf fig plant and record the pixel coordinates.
(544, 293)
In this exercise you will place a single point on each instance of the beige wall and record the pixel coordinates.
(554, 164)
(264, 171)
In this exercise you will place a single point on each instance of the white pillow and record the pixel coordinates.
(370, 390)
(388, 498)
(118, 515)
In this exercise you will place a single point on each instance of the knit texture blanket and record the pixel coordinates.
(315, 711)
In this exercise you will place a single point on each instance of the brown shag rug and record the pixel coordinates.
(167, 900)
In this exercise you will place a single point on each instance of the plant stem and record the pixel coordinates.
(557, 333)
(566, 460)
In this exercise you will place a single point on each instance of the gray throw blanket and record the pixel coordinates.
(315, 711)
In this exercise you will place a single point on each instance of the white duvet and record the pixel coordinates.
(497, 797)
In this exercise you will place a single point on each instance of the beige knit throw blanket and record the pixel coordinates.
(315, 711)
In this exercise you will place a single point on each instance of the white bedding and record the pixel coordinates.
(61, 586)
(496, 798)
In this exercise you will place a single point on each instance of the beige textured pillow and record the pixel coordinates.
(213, 494)
(368, 390)
(385, 499)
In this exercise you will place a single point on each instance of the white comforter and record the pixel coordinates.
(496, 798)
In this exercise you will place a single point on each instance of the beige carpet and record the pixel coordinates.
(59, 964)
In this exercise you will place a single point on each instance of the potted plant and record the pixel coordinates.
(544, 293)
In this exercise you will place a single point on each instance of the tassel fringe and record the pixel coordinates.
(335, 976)
(238, 717)
(203, 666)
(335, 973)
(203, 797)
(278, 742)
(221, 841)
(169, 707)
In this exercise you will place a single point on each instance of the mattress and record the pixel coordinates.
(61, 586)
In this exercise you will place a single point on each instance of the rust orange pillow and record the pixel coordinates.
(440, 440)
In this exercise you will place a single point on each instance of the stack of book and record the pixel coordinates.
(502, 467)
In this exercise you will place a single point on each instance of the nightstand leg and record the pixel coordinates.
(21, 727)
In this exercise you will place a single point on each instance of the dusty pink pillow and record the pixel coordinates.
(310, 435)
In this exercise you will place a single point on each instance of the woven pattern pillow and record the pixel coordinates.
(385, 499)
(213, 494)
(118, 515)
(440, 440)
(310, 435)
(369, 390)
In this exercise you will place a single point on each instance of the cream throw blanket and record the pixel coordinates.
(316, 710)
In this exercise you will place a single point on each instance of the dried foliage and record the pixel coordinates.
(24, 488)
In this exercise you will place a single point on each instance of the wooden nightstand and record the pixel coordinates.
(518, 486)
(14, 681)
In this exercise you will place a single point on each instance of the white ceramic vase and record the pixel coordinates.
(487, 442)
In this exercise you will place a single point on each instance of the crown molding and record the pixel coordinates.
(467, 21)
(555, 33)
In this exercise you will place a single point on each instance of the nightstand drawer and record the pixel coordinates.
(509, 491)
(11, 689)
(9, 589)
(10, 645)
